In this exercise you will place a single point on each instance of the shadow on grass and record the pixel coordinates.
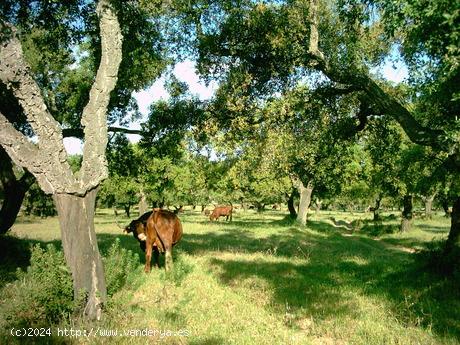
(338, 265)
(435, 229)
(327, 268)
(15, 254)
(333, 265)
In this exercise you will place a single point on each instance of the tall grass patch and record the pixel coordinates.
(42, 295)
(262, 279)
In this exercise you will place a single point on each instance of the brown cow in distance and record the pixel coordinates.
(221, 211)
(157, 230)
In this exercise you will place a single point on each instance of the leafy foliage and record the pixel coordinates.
(120, 266)
(41, 295)
(37, 203)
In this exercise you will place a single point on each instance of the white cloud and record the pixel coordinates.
(73, 146)
(154, 93)
(184, 71)
(395, 72)
(393, 68)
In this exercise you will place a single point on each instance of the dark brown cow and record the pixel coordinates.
(221, 211)
(159, 230)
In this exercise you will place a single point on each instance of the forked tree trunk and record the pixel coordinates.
(407, 215)
(453, 240)
(304, 203)
(74, 195)
(76, 218)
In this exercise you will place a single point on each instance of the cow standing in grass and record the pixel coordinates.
(221, 211)
(157, 230)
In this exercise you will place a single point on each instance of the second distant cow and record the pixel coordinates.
(221, 211)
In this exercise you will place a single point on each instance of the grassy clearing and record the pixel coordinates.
(264, 280)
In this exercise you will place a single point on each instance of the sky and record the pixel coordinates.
(185, 71)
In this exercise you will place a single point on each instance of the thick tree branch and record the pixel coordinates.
(78, 132)
(94, 118)
(23, 153)
(14, 73)
(47, 160)
(336, 90)
(379, 100)
(363, 114)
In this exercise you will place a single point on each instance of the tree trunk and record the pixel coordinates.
(453, 240)
(127, 210)
(376, 209)
(445, 207)
(142, 203)
(76, 219)
(14, 191)
(318, 204)
(407, 215)
(259, 206)
(304, 203)
(428, 206)
(290, 205)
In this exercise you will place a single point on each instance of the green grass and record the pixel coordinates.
(262, 279)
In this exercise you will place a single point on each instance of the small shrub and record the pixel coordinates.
(43, 294)
(120, 266)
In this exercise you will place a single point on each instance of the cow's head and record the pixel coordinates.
(137, 228)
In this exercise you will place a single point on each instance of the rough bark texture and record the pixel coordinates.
(305, 200)
(76, 218)
(453, 240)
(14, 191)
(94, 118)
(47, 160)
(407, 215)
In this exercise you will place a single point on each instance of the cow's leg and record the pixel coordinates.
(148, 255)
(156, 257)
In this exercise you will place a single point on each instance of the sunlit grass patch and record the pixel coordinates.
(263, 280)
